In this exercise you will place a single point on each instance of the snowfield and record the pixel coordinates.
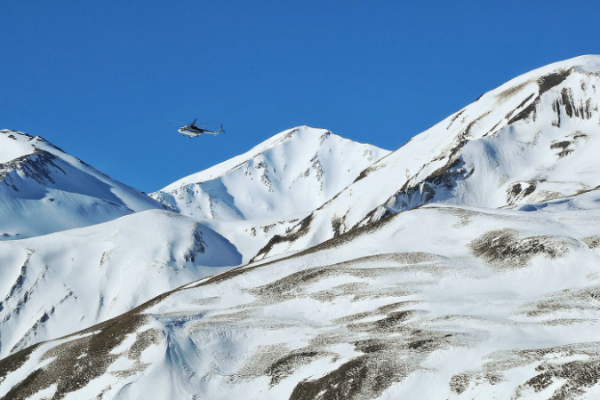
(464, 265)
(57, 284)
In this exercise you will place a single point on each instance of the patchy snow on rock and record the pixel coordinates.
(446, 302)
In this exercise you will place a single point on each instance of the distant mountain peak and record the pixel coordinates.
(294, 171)
(43, 189)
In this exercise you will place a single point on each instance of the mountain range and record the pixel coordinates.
(55, 284)
(463, 265)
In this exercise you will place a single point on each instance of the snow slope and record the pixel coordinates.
(438, 302)
(293, 172)
(56, 284)
(249, 236)
(533, 139)
(44, 190)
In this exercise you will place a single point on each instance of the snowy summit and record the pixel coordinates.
(293, 172)
(44, 190)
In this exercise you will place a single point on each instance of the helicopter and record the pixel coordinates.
(192, 130)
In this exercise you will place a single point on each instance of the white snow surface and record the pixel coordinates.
(534, 139)
(60, 283)
(438, 302)
(45, 190)
(293, 172)
(249, 236)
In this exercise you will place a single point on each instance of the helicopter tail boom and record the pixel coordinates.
(216, 132)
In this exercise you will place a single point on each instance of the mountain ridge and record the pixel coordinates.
(486, 154)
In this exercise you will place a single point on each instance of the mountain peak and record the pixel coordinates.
(43, 189)
(295, 135)
(292, 172)
(548, 76)
(15, 144)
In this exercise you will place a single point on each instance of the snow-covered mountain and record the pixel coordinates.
(288, 175)
(57, 284)
(44, 190)
(433, 303)
(492, 293)
(533, 139)
(60, 283)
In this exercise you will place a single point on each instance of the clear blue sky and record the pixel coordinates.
(102, 79)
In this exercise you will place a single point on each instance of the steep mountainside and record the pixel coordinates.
(533, 139)
(56, 284)
(433, 303)
(44, 190)
(292, 173)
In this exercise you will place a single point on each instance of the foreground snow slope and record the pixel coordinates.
(433, 303)
(56, 284)
(44, 190)
(533, 139)
(293, 172)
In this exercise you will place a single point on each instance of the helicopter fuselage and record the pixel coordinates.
(194, 131)
(186, 131)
